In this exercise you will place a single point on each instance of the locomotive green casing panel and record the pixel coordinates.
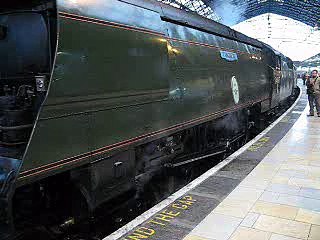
(123, 75)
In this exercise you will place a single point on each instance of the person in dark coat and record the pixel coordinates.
(310, 82)
(304, 78)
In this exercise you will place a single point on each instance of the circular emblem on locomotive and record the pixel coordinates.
(235, 89)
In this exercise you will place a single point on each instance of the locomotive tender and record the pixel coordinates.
(98, 95)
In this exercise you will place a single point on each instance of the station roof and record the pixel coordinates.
(306, 11)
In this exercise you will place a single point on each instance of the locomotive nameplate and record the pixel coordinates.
(229, 56)
(235, 90)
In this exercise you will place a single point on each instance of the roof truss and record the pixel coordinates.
(306, 11)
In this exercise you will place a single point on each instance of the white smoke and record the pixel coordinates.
(231, 12)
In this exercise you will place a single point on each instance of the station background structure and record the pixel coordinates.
(306, 11)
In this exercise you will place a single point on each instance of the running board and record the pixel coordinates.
(193, 159)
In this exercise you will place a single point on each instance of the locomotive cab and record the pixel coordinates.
(27, 48)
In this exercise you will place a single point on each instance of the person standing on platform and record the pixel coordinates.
(313, 91)
(304, 78)
(317, 91)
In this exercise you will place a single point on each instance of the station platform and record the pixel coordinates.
(268, 190)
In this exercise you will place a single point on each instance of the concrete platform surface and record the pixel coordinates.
(279, 199)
